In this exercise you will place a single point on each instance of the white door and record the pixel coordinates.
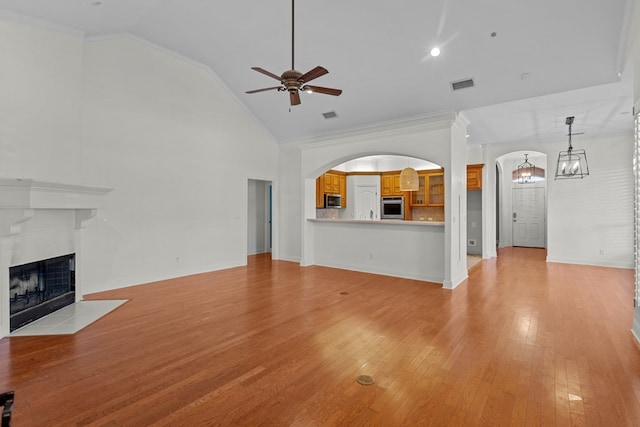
(367, 202)
(528, 217)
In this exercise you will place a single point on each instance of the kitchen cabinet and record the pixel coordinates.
(390, 185)
(474, 176)
(435, 189)
(343, 191)
(430, 189)
(332, 182)
(419, 198)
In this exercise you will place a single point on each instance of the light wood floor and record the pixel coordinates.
(522, 342)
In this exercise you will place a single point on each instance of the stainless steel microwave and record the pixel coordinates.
(332, 201)
(392, 208)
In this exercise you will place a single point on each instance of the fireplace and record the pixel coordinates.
(39, 288)
(42, 221)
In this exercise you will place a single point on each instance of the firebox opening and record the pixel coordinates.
(40, 288)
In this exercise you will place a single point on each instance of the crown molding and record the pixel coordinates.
(25, 19)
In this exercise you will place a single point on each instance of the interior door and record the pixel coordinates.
(528, 216)
(367, 202)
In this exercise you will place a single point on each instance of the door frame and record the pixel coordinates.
(544, 214)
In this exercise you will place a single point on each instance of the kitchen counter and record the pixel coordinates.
(410, 249)
(383, 221)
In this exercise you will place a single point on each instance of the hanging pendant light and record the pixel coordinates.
(409, 180)
(527, 173)
(572, 163)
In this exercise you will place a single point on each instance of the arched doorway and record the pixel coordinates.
(521, 183)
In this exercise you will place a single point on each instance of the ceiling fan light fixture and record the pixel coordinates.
(293, 80)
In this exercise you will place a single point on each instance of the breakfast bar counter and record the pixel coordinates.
(410, 249)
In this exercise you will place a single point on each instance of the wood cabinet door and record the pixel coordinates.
(419, 198)
(327, 185)
(396, 185)
(386, 185)
(343, 191)
(435, 188)
(474, 177)
(319, 194)
(335, 184)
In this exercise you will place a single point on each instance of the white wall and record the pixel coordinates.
(291, 206)
(165, 134)
(178, 149)
(583, 215)
(399, 250)
(40, 106)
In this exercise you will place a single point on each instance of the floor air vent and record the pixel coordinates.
(462, 84)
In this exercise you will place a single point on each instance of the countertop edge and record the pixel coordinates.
(383, 222)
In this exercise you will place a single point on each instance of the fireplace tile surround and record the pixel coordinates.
(40, 220)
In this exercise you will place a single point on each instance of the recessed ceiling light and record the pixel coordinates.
(467, 135)
(435, 51)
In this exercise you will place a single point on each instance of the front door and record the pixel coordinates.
(528, 217)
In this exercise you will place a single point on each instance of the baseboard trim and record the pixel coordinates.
(594, 263)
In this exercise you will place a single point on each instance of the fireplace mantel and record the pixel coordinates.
(31, 194)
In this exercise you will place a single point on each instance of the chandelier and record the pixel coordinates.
(572, 163)
(528, 173)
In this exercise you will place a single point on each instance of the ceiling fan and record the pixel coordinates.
(294, 81)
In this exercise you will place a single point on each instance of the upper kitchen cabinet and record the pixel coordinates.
(419, 198)
(332, 182)
(474, 176)
(343, 191)
(430, 189)
(435, 188)
(390, 184)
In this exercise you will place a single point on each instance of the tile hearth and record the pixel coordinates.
(69, 319)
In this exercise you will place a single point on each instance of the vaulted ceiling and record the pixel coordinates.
(532, 62)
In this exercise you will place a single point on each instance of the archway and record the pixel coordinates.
(521, 185)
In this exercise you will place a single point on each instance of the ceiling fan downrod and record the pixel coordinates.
(292, 33)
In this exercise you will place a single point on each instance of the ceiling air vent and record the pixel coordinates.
(462, 84)
(330, 115)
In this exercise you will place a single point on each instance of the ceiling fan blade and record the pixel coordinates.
(313, 74)
(325, 90)
(267, 73)
(263, 90)
(294, 95)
